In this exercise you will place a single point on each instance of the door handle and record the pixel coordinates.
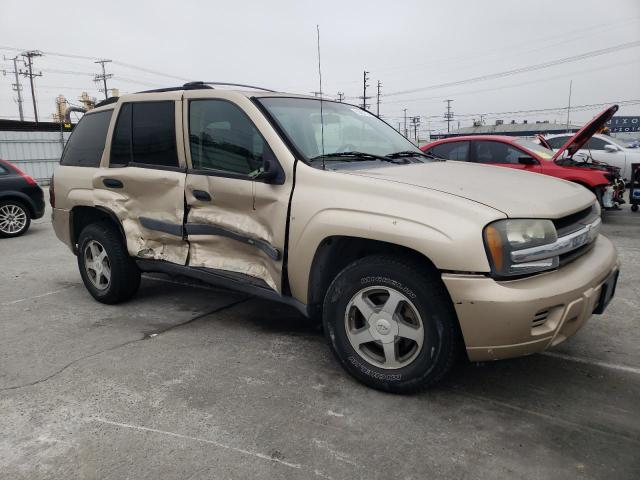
(202, 195)
(112, 183)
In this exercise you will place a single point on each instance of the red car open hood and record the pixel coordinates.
(581, 137)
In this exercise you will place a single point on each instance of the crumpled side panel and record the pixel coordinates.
(225, 254)
(147, 193)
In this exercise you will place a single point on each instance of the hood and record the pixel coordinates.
(581, 137)
(517, 194)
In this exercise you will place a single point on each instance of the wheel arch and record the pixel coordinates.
(337, 251)
(82, 215)
(20, 197)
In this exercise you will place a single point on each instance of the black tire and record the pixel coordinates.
(15, 204)
(634, 208)
(124, 273)
(429, 296)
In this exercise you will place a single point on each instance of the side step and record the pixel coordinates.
(238, 282)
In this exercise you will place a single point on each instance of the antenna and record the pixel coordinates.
(321, 113)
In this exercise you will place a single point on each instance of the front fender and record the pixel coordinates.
(459, 250)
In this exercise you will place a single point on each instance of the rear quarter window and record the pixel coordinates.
(87, 141)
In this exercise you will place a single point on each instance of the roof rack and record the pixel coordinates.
(202, 85)
(106, 102)
(226, 84)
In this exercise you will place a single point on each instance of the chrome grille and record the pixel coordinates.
(576, 234)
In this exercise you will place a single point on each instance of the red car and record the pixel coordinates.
(523, 154)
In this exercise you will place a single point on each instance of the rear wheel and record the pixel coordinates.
(14, 218)
(110, 275)
(391, 325)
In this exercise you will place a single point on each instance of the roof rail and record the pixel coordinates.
(193, 85)
(186, 86)
(106, 102)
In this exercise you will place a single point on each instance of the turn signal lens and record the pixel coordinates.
(494, 244)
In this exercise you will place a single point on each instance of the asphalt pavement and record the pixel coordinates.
(189, 382)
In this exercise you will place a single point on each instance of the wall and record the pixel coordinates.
(34, 152)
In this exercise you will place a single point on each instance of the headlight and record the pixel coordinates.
(503, 237)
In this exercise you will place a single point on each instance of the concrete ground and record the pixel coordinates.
(186, 382)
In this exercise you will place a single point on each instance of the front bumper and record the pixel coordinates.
(503, 319)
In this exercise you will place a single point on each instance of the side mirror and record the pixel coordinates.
(268, 172)
(527, 160)
(610, 148)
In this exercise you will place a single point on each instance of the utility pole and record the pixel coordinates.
(16, 87)
(569, 105)
(340, 96)
(364, 97)
(104, 77)
(448, 115)
(29, 63)
(406, 133)
(416, 123)
(378, 100)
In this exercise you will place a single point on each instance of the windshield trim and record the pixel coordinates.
(257, 100)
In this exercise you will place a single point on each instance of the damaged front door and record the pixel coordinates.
(144, 184)
(236, 222)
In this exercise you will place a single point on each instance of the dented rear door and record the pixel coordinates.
(143, 178)
(234, 223)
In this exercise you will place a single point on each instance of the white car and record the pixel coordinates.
(603, 148)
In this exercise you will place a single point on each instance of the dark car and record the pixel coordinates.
(21, 199)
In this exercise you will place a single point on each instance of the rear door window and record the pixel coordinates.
(145, 135)
(86, 144)
(452, 151)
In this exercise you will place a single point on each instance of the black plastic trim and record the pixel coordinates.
(222, 278)
(162, 226)
(204, 229)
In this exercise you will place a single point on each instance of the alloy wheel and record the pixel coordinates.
(13, 219)
(97, 265)
(384, 327)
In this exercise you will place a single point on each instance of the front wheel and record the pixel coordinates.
(390, 325)
(110, 275)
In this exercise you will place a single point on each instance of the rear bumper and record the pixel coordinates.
(520, 317)
(60, 220)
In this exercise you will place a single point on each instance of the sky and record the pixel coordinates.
(414, 47)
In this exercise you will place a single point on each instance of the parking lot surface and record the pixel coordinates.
(196, 383)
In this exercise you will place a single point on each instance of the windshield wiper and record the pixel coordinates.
(413, 153)
(353, 157)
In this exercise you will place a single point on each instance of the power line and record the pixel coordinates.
(530, 68)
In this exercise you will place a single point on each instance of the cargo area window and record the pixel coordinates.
(223, 139)
(86, 144)
(145, 134)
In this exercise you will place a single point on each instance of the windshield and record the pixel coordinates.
(346, 128)
(539, 150)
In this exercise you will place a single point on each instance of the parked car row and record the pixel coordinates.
(568, 162)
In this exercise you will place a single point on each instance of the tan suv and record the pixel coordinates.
(323, 206)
